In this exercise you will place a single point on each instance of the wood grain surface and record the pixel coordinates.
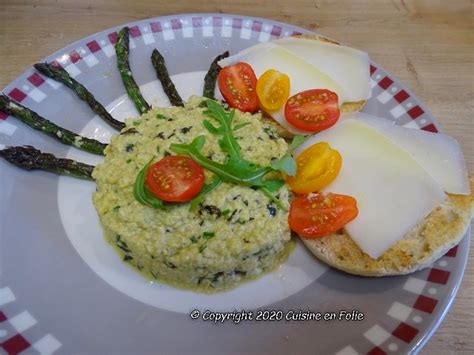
(428, 45)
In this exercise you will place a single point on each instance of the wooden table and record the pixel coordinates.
(428, 45)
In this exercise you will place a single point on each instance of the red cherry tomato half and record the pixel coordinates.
(312, 110)
(175, 178)
(318, 215)
(238, 83)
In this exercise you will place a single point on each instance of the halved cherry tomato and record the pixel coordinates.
(312, 110)
(175, 178)
(237, 84)
(318, 215)
(316, 168)
(273, 88)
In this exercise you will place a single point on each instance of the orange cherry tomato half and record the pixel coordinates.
(318, 215)
(312, 110)
(237, 83)
(175, 178)
(316, 168)
(273, 88)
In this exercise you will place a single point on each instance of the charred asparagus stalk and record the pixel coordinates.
(122, 49)
(211, 76)
(30, 158)
(39, 123)
(61, 75)
(164, 77)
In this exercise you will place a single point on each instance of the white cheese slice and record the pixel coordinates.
(392, 190)
(303, 76)
(349, 67)
(440, 155)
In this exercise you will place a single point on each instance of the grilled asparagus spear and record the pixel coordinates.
(30, 158)
(39, 123)
(162, 73)
(61, 75)
(122, 49)
(211, 76)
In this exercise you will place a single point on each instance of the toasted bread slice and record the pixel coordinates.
(429, 240)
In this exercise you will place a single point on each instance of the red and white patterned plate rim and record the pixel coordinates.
(29, 84)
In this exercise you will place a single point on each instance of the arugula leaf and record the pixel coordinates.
(286, 163)
(210, 127)
(229, 143)
(275, 200)
(296, 142)
(205, 190)
(240, 125)
(198, 142)
(273, 185)
(141, 192)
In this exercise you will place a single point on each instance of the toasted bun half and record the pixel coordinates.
(441, 230)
